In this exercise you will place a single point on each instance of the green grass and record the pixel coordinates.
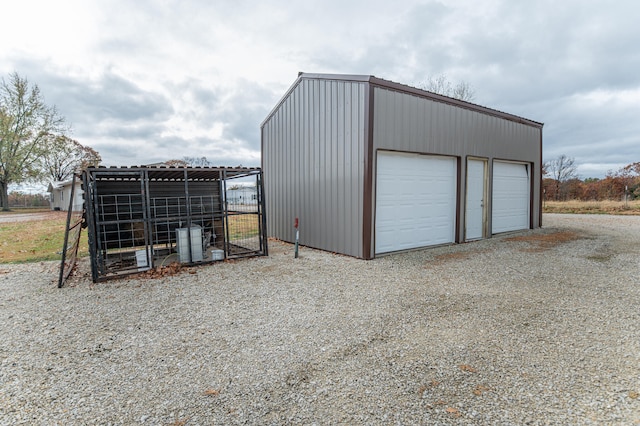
(34, 241)
(243, 226)
(21, 210)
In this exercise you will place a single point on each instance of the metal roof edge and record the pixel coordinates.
(58, 184)
(173, 168)
(285, 96)
(314, 76)
(379, 82)
(340, 77)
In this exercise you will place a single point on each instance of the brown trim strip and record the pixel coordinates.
(541, 195)
(368, 209)
(451, 101)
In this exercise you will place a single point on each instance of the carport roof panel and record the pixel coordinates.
(156, 173)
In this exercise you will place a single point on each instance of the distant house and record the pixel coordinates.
(60, 195)
(242, 195)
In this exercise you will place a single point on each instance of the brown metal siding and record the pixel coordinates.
(412, 123)
(313, 164)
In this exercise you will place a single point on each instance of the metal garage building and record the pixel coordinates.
(371, 166)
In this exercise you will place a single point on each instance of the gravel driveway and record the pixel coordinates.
(27, 217)
(539, 327)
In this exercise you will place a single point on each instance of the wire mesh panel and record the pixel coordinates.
(167, 215)
(121, 229)
(244, 224)
(244, 233)
(168, 207)
(206, 212)
(117, 216)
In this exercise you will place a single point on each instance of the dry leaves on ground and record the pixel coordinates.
(454, 412)
(480, 389)
(543, 242)
(466, 367)
(163, 271)
(448, 257)
(423, 388)
(212, 392)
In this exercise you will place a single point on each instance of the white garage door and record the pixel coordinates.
(510, 202)
(415, 201)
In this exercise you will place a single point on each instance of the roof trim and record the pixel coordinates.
(399, 87)
(177, 174)
(452, 101)
(59, 184)
(281, 101)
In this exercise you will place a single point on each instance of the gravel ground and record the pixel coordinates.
(540, 327)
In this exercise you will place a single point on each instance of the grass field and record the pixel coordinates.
(15, 210)
(35, 240)
(243, 226)
(593, 207)
(42, 238)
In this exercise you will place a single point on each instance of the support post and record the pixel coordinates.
(297, 237)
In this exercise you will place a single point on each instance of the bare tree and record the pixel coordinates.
(442, 86)
(175, 163)
(561, 170)
(633, 168)
(25, 121)
(65, 156)
(197, 161)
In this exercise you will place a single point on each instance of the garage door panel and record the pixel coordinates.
(415, 201)
(511, 195)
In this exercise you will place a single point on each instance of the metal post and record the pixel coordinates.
(225, 212)
(626, 196)
(62, 277)
(146, 217)
(297, 237)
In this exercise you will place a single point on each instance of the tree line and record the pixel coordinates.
(34, 139)
(561, 182)
(18, 199)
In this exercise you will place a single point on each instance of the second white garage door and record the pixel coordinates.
(415, 201)
(510, 201)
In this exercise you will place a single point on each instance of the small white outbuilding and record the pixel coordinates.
(60, 195)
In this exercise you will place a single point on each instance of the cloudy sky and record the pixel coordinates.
(146, 81)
